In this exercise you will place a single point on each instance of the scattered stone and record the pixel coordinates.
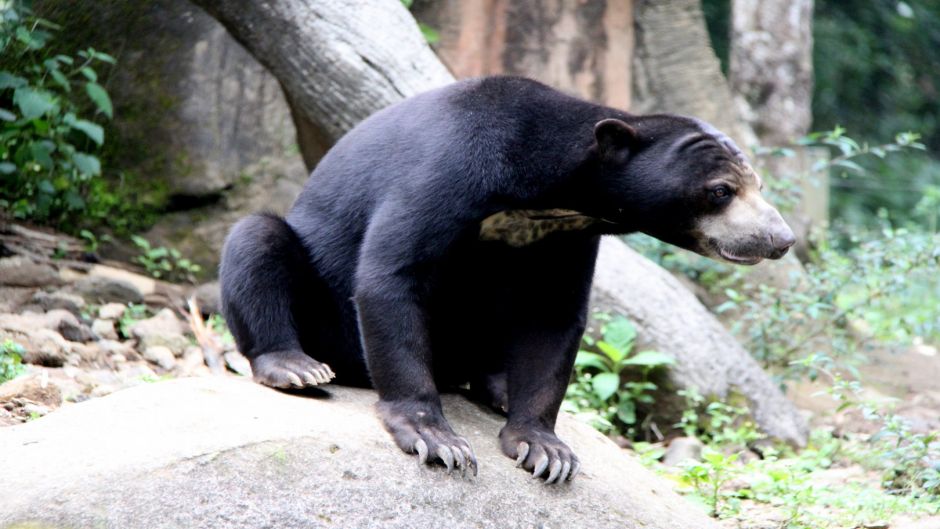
(11, 298)
(682, 449)
(68, 326)
(35, 388)
(164, 329)
(20, 271)
(104, 329)
(160, 355)
(193, 362)
(113, 348)
(43, 347)
(100, 289)
(90, 353)
(209, 298)
(111, 311)
(59, 300)
(237, 363)
(34, 410)
(136, 371)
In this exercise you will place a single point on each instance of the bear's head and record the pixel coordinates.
(682, 181)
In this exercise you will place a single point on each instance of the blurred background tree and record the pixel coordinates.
(877, 73)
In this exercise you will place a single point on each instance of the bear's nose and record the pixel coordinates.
(781, 241)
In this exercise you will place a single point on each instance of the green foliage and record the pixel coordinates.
(11, 358)
(165, 263)
(430, 34)
(49, 171)
(132, 314)
(218, 326)
(598, 393)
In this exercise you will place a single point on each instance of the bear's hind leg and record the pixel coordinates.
(266, 282)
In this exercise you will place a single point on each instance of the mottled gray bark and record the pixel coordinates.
(771, 75)
(676, 70)
(583, 47)
(346, 65)
(771, 66)
(338, 60)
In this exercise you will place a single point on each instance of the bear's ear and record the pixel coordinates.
(613, 135)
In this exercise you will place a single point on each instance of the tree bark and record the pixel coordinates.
(771, 75)
(676, 70)
(580, 46)
(352, 60)
(771, 66)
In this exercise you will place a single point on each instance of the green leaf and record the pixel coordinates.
(7, 167)
(92, 130)
(46, 187)
(74, 200)
(41, 152)
(61, 80)
(99, 95)
(89, 73)
(8, 80)
(33, 103)
(605, 385)
(6, 115)
(649, 359)
(852, 166)
(614, 353)
(620, 333)
(140, 242)
(87, 164)
(588, 359)
(626, 411)
(430, 34)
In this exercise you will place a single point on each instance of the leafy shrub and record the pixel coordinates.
(165, 263)
(598, 392)
(48, 170)
(11, 356)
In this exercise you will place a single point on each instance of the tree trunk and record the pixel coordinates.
(583, 47)
(771, 74)
(342, 69)
(675, 69)
(771, 66)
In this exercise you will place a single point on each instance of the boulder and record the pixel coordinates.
(671, 320)
(102, 289)
(59, 300)
(21, 271)
(200, 452)
(163, 329)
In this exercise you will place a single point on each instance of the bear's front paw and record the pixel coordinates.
(289, 369)
(539, 450)
(418, 428)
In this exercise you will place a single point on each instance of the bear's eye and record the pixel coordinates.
(721, 192)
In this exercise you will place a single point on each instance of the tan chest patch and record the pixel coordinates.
(522, 227)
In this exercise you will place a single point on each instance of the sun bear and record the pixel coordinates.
(449, 241)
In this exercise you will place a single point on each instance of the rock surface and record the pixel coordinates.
(211, 452)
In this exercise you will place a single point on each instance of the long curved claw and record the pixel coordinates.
(422, 449)
(575, 468)
(294, 379)
(540, 465)
(565, 469)
(554, 471)
(446, 456)
(523, 451)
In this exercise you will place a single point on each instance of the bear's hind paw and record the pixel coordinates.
(290, 369)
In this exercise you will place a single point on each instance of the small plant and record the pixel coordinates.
(709, 476)
(132, 314)
(92, 242)
(48, 166)
(598, 392)
(220, 328)
(11, 360)
(165, 263)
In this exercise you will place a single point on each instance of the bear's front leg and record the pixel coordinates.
(539, 369)
(395, 270)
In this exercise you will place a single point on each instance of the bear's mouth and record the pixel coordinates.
(739, 259)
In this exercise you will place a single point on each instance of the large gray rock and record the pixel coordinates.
(211, 452)
(671, 320)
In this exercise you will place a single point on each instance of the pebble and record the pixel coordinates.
(111, 311)
(160, 355)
